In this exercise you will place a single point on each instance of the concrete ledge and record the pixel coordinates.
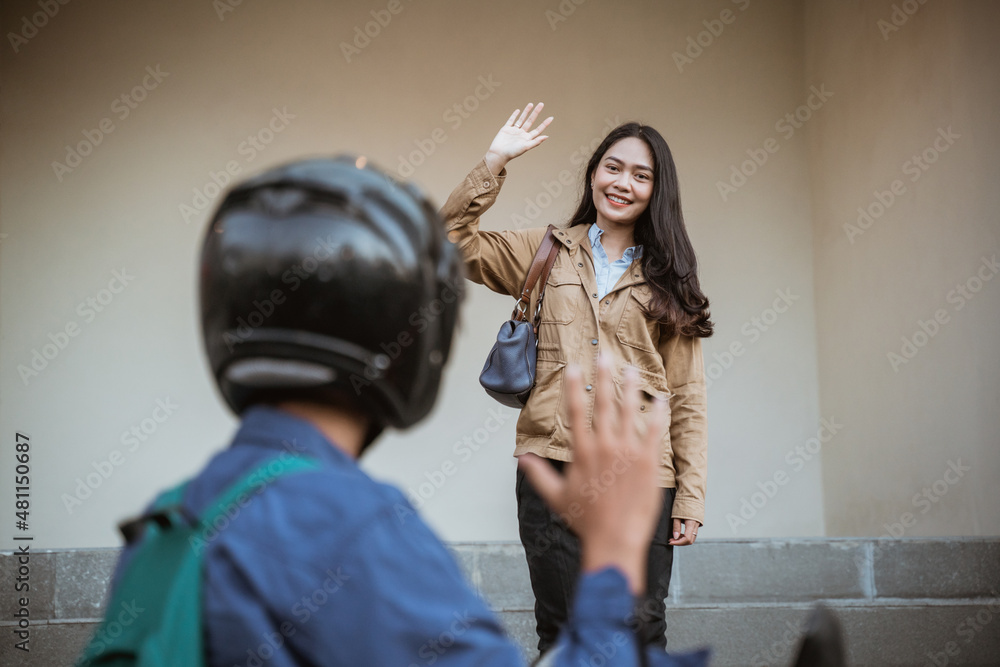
(56, 643)
(780, 570)
(936, 568)
(911, 634)
(81, 582)
(499, 572)
(740, 635)
(776, 570)
(902, 602)
(41, 585)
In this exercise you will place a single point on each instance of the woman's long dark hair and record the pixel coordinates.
(668, 260)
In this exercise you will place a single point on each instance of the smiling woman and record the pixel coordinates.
(624, 285)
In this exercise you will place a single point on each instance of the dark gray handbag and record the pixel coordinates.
(509, 372)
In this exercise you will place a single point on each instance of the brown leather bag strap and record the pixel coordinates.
(544, 279)
(541, 265)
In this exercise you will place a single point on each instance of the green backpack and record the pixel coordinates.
(154, 616)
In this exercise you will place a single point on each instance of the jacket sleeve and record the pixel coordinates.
(688, 423)
(499, 260)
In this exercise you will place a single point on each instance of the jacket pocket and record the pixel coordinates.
(563, 293)
(651, 388)
(538, 417)
(647, 404)
(635, 328)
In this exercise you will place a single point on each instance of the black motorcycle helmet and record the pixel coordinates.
(324, 279)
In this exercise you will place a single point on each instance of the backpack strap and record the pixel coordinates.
(154, 617)
(167, 510)
(255, 482)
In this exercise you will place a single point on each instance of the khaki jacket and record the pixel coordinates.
(575, 326)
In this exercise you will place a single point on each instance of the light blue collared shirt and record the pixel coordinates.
(607, 272)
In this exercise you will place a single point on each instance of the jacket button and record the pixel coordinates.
(642, 408)
(486, 184)
(595, 295)
(579, 263)
(589, 387)
(593, 342)
(561, 234)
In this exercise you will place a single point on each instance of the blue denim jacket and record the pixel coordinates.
(329, 567)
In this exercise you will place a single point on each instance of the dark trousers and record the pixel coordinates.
(553, 554)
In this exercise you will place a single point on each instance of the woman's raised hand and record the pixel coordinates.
(516, 137)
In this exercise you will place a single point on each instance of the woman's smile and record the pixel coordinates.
(623, 182)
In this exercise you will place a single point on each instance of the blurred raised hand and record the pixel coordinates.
(609, 494)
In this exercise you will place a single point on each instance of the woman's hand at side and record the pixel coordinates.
(685, 532)
(516, 137)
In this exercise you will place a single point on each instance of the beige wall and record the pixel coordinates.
(121, 209)
(920, 453)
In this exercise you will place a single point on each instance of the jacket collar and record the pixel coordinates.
(273, 428)
(575, 238)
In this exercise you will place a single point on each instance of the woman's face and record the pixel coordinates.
(623, 183)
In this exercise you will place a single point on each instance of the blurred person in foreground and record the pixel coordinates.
(310, 277)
